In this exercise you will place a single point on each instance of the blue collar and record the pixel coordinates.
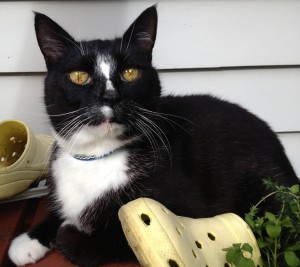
(93, 157)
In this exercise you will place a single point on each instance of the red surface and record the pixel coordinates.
(16, 218)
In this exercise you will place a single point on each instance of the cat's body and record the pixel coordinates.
(197, 155)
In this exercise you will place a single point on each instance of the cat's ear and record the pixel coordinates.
(53, 40)
(143, 30)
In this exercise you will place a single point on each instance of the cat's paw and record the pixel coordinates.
(24, 250)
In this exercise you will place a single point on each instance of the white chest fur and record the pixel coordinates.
(79, 183)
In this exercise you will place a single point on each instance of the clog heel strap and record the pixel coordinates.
(160, 238)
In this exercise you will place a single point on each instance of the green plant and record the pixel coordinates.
(240, 255)
(278, 235)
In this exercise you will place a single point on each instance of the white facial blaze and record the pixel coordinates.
(109, 85)
(105, 69)
(105, 65)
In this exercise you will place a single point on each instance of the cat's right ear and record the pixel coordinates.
(53, 40)
(142, 31)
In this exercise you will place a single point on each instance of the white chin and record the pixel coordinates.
(91, 139)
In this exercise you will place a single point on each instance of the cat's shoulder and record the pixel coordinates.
(197, 102)
(208, 110)
(192, 99)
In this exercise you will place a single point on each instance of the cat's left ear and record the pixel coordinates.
(53, 40)
(143, 30)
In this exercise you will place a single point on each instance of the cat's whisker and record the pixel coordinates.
(70, 126)
(47, 159)
(67, 113)
(69, 130)
(152, 141)
(64, 123)
(171, 122)
(42, 115)
(165, 114)
(76, 124)
(47, 106)
(152, 132)
(160, 133)
(75, 137)
(67, 124)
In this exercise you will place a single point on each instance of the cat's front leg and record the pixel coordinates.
(92, 250)
(31, 246)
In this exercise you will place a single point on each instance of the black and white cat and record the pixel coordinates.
(118, 140)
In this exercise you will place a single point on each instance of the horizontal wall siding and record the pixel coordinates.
(291, 142)
(247, 52)
(191, 34)
(22, 99)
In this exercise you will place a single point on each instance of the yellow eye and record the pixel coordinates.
(130, 74)
(79, 77)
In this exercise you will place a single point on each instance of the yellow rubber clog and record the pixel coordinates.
(24, 157)
(160, 238)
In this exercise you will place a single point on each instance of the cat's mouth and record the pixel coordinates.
(108, 122)
(106, 117)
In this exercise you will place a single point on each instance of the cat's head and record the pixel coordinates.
(99, 88)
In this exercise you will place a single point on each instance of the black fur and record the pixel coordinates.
(209, 156)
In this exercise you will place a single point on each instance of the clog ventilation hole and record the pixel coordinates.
(172, 263)
(11, 150)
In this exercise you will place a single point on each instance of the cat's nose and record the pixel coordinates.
(111, 97)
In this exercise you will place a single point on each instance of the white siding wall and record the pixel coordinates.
(247, 51)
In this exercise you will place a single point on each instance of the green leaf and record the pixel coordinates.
(249, 220)
(295, 189)
(253, 211)
(273, 230)
(247, 247)
(294, 204)
(271, 217)
(237, 246)
(294, 247)
(291, 259)
(259, 222)
(286, 222)
(261, 243)
(279, 230)
(270, 240)
(231, 256)
(244, 262)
